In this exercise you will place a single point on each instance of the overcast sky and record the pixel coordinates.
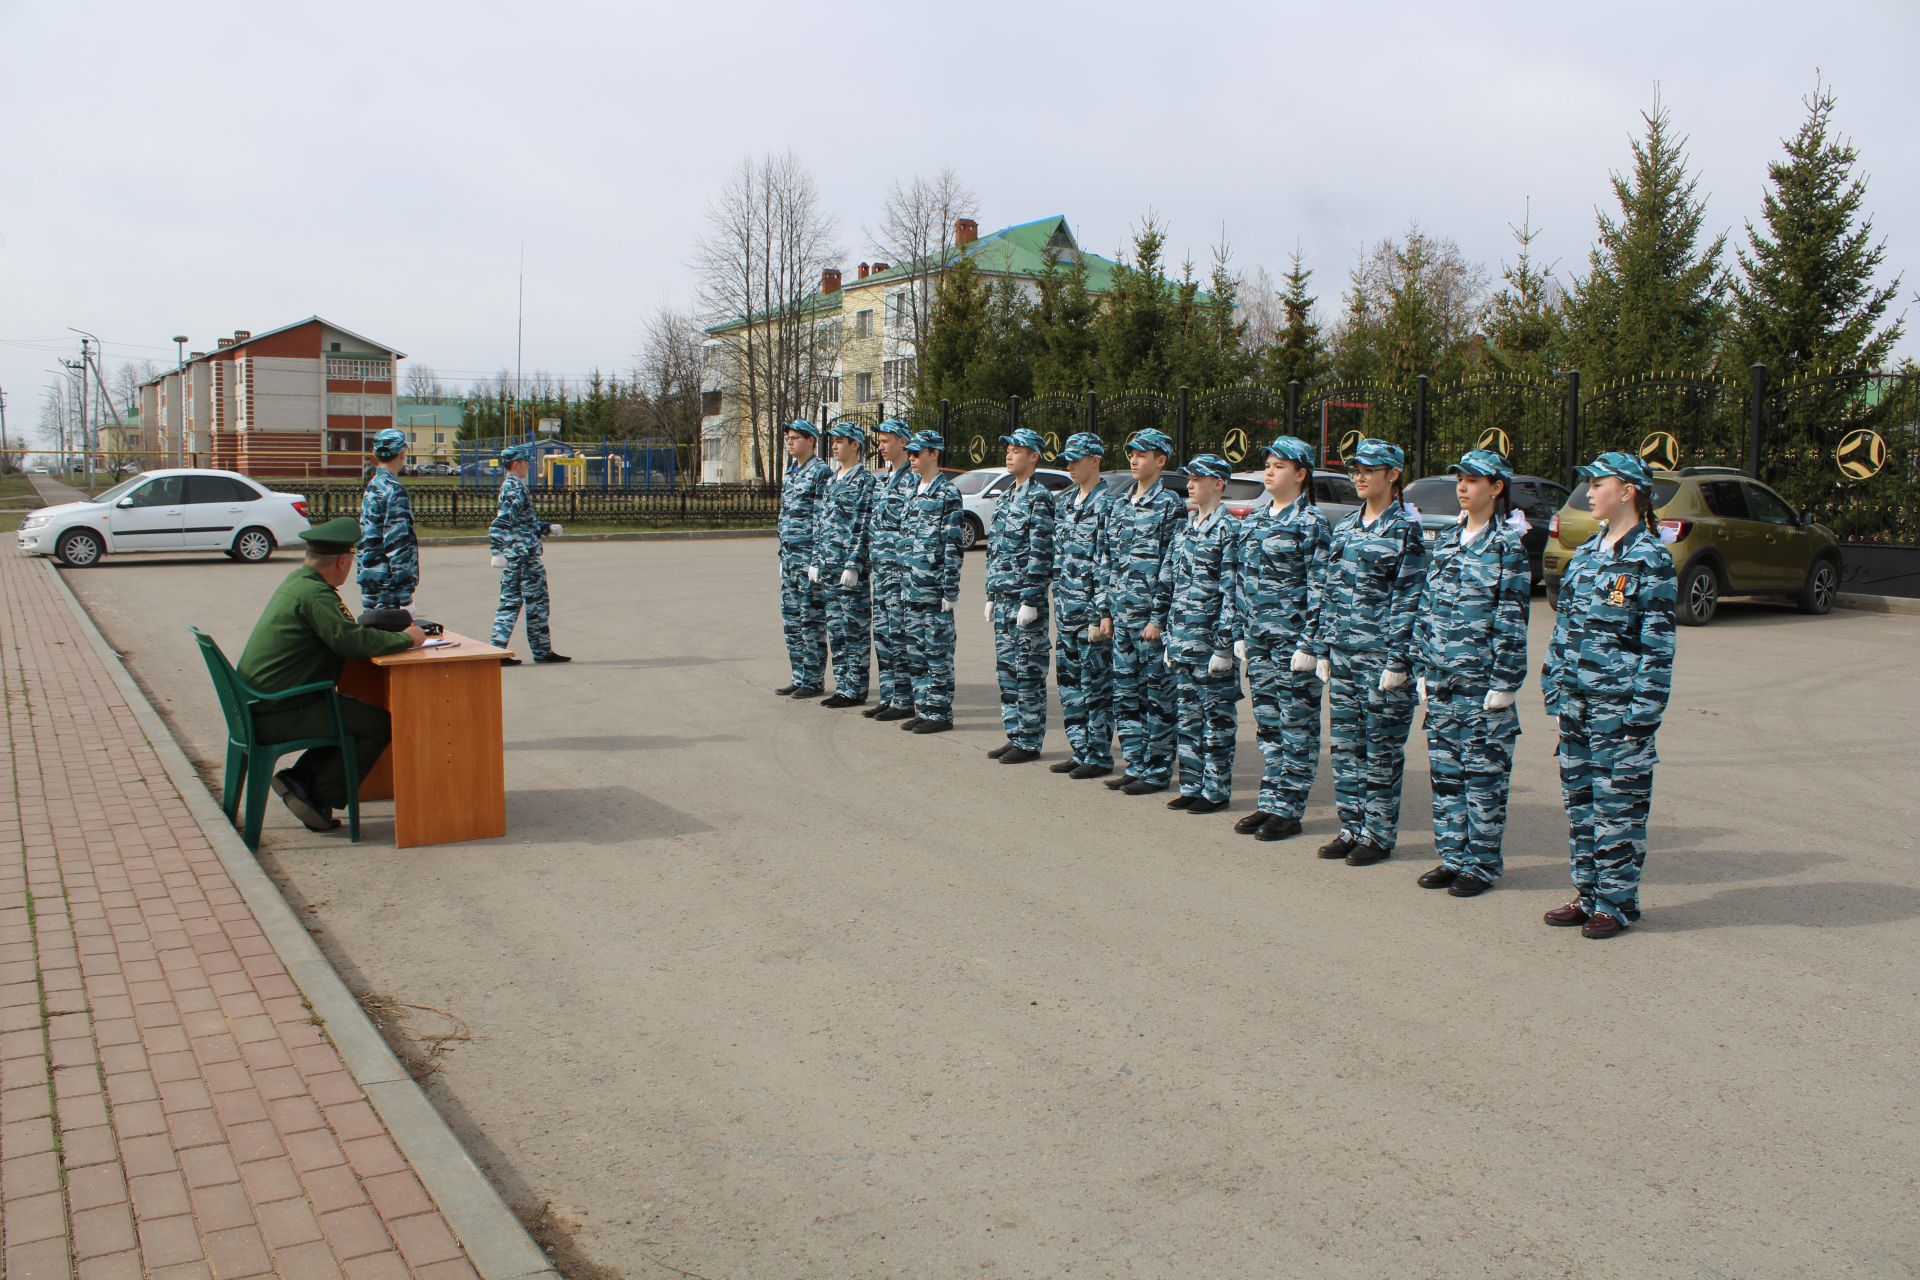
(196, 169)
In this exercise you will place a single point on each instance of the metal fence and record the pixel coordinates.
(713, 506)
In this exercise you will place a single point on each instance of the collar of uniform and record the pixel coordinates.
(925, 485)
(1139, 497)
(1207, 524)
(1276, 510)
(1081, 497)
(1391, 507)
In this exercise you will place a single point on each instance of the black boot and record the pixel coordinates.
(1065, 766)
(1251, 823)
(1141, 787)
(933, 726)
(1086, 771)
(1338, 847)
(999, 751)
(1278, 829)
(1122, 782)
(551, 657)
(1438, 878)
(1204, 805)
(1017, 755)
(1365, 855)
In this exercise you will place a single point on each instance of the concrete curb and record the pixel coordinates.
(497, 1245)
(1907, 605)
(652, 535)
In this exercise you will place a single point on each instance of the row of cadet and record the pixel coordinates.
(387, 564)
(1156, 609)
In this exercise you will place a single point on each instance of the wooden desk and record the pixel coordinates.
(445, 769)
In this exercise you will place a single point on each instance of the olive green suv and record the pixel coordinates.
(1729, 535)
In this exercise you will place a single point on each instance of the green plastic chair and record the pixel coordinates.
(251, 761)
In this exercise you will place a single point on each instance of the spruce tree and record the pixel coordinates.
(1134, 330)
(1299, 353)
(1525, 327)
(1062, 322)
(959, 337)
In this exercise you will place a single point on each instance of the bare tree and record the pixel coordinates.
(760, 266)
(916, 232)
(424, 384)
(1261, 308)
(667, 372)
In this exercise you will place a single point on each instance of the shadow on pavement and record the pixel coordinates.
(1843, 903)
(618, 742)
(594, 815)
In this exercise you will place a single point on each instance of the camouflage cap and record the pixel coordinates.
(1150, 438)
(1209, 464)
(921, 441)
(1082, 444)
(1482, 462)
(1292, 449)
(516, 453)
(804, 427)
(848, 431)
(390, 443)
(1615, 463)
(1374, 452)
(893, 427)
(1025, 438)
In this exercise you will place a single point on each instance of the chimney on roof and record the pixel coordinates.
(965, 231)
(878, 267)
(196, 355)
(225, 343)
(863, 271)
(241, 335)
(830, 280)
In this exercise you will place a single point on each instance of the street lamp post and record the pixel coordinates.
(177, 414)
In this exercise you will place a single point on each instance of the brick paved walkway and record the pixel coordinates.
(168, 1107)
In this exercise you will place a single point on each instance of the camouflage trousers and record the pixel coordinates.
(930, 660)
(1206, 722)
(1368, 733)
(1470, 758)
(1286, 714)
(1020, 661)
(850, 635)
(803, 616)
(387, 597)
(1607, 782)
(890, 638)
(1142, 702)
(523, 583)
(1083, 672)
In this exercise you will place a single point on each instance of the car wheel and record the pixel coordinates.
(1699, 594)
(969, 533)
(1823, 581)
(253, 545)
(80, 549)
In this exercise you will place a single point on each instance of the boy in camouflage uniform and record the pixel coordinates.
(514, 538)
(803, 609)
(1019, 565)
(1082, 655)
(389, 553)
(1140, 532)
(1608, 672)
(1283, 571)
(930, 539)
(893, 486)
(839, 569)
(1201, 573)
(1471, 647)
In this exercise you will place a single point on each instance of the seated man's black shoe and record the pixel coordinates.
(1065, 766)
(1182, 802)
(933, 726)
(1203, 805)
(551, 657)
(509, 661)
(1250, 823)
(842, 700)
(1365, 855)
(1141, 787)
(313, 815)
(1278, 829)
(1121, 783)
(1017, 755)
(1338, 847)
(805, 691)
(911, 723)
(894, 713)
(1086, 771)
(999, 751)
(1468, 887)
(1438, 878)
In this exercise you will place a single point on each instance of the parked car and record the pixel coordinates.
(980, 493)
(1437, 500)
(1729, 535)
(1333, 493)
(169, 510)
(1173, 480)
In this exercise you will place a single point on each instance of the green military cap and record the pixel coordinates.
(334, 538)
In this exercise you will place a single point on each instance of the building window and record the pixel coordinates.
(709, 404)
(360, 370)
(863, 324)
(347, 404)
(899, 317)
(897, 376)
(344, 441)
(830, 390)
(862, 387)
(439, 437)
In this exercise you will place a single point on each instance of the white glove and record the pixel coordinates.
(813, 573)
(1420, 688)
(1168, 659)
(1497, 700)
(1323, 671)
(1240, 650)
(1093, 633)
(555, 530)
(1027, 616)
(1218, 665)
(849, 578)
(1302, 662)
(946, 606)
(498, 562)
(987, 613)
(1390, 680)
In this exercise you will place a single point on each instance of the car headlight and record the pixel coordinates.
(33, 522)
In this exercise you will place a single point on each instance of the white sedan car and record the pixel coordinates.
(980, 493)
(174, 510)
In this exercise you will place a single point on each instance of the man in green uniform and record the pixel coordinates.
(306, 635)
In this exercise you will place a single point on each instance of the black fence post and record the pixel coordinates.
(1093, 413)
(1013, 414)
(944, 409)
(456, 506)
(1756, 417)
(1419, 425)
(1180, 424)
(1573, 423)
(1293, 407)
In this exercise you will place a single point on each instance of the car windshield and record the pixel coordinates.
(1435, 496)
(1242, 490)
(122, 489)
(975, 481)
(1663, 491)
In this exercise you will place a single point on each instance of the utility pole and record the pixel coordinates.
(3, 430)
(176, 415)
(77, 368)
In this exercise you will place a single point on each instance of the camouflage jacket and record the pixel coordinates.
(800, 495)
(1613, 630)
(389, 554)
(842, 530)
(1471, 633)
(1283, 572)
(1020, 544)
(1140, 533)
(1079, 546)
(890, 494)
(1374, 576)
(930, 535)
(1201, 575)
(515, 530)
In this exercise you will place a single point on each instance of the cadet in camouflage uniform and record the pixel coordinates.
(1019, 566)
(514, 537)
(803, 608)
(1283, 571)
(893, 486)
(930, 541)
(389, 554)
(1606, 680)
(1470, 649)
(840, 561)
(1140, 530)
(1082, 655)
(1202, 573)
(1376, 566)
